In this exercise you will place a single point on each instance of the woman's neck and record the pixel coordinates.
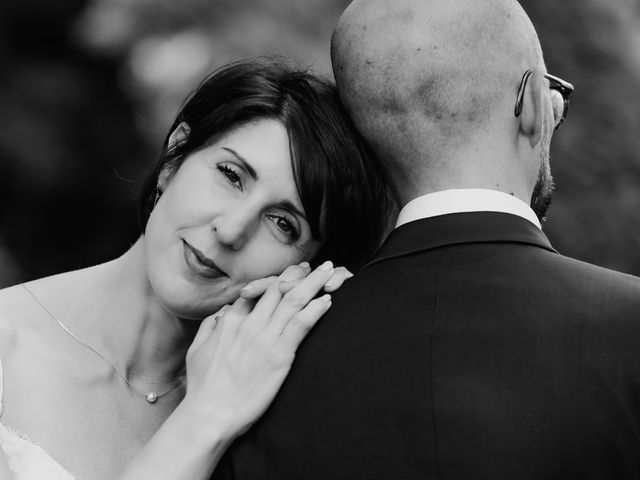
(113, 308)
(149, 341)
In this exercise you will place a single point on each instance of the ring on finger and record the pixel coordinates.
(219, 315)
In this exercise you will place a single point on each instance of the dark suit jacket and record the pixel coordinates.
(467, 349)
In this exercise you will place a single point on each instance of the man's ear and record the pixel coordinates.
(532, 116)
(180, 133)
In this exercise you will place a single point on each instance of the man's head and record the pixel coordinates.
(432, 86)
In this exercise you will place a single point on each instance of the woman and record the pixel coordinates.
(261, 170)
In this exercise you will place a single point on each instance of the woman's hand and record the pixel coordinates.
(235, 366)
(241, 355)
(293, 275)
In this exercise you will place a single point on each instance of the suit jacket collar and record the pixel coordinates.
(460, 228)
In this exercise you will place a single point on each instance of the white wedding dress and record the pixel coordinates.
(26, 459)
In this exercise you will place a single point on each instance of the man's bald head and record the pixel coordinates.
(423, 78)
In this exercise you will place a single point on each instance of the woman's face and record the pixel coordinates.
(228, 215)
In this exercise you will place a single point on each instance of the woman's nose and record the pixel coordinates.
(234, 229)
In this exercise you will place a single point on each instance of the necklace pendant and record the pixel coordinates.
(151, 397)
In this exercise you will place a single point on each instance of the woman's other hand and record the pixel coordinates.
(242, 354)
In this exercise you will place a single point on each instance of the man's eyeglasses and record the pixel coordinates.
(555, 83)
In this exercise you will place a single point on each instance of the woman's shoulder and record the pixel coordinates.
(12, 304)
(19, 313)
(22, 314)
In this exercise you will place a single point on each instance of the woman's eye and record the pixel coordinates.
(232, 175)
(286, 227)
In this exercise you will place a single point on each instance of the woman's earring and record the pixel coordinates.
(155, 200)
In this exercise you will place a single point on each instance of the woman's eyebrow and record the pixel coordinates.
(244, 162)
(284, 203)
(290, 206)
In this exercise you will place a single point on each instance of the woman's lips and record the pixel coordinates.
(199, 263)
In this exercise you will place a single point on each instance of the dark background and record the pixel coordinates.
(88, 90)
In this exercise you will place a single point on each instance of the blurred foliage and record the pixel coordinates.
(88, 89)
(595, 157)
(66, 130)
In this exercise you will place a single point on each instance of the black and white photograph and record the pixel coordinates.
(320, 240)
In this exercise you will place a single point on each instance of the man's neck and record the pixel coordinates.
(462, 201)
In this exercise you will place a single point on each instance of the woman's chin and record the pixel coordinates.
(189, 304)
(191, 313)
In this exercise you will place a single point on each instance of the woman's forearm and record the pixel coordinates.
(185, 447)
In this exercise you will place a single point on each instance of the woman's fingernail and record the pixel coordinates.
(330, 284)
(246, 288)
(326, 298)
(349, 275)
(304, 265)
(326, 266)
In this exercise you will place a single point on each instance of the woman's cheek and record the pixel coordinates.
(271, 261)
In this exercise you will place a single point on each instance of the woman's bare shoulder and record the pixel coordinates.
(19, 314)
(22, 315)
(12, 306)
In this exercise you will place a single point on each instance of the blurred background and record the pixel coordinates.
(88, 90)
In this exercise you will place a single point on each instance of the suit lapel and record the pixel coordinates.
(460, 228)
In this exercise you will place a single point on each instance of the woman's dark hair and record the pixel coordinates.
(338, 179)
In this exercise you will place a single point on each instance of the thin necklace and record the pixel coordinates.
(151, 397)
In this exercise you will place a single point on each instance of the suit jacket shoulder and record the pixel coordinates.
(468, 348)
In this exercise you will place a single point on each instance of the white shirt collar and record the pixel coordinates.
(462, 201)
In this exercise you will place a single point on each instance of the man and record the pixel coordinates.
(468, 348)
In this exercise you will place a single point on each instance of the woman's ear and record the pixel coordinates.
(532, 116)
(164, 177)
(180, 133)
